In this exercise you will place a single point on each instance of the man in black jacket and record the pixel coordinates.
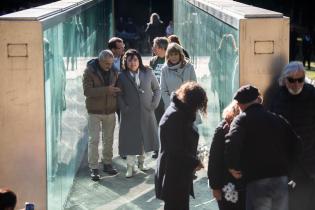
(259, 147)
(296, 102)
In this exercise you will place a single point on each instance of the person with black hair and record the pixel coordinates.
(140, 96)
(7, 199)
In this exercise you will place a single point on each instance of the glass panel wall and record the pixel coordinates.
(213, 49)
(68, 45)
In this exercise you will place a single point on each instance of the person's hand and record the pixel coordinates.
(236, 174)
(217, 194)
(200, 166)
(113, 90)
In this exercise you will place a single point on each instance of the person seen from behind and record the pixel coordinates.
(155, 28)
(177, 160)
(260, 148)
(228, 191)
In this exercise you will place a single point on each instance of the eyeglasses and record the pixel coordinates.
(292, 80)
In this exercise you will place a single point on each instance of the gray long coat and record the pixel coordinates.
(138, 127)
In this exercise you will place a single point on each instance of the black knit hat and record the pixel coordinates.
(246, 94)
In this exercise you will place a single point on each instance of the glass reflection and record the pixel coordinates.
(213, 46)
(67, 46)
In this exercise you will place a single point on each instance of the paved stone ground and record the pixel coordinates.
(118, 192)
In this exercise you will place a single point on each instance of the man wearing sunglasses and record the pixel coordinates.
(296, 102)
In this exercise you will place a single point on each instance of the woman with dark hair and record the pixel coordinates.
(177, 159)
(227, 190)
(155, 28)
(140, 95)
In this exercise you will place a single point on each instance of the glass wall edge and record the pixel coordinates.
(226, 16)
(61, 16)
(231, 12)
(50, 16)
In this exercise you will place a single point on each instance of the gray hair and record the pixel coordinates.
(292, 67)
(161, 42)
(105, 54)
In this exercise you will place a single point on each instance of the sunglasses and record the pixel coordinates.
(292, 80)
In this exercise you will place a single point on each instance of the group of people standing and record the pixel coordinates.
(254, 154)
(117, 81)
(263, 158)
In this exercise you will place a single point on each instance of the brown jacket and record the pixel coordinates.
(98, 100)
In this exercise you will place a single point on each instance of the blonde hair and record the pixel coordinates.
(230, 111)
(175, 48)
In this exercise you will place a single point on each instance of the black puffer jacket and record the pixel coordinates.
(299, 110)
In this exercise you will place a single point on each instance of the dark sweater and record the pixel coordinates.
(299, 110)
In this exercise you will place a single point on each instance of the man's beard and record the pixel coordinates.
(295, 92)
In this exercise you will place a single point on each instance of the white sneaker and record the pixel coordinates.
(142, 166)
(130, 171)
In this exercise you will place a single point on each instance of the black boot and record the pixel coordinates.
(95, 175)
(108, 168)
(155, 154)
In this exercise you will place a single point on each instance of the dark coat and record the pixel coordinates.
(299, 110)
(217, 171)
(138, 126)
(218, 174)
(155, 30)
(177, 156)
(260, 144)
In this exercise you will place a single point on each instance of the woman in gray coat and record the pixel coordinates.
(140, 95)
(176, 72)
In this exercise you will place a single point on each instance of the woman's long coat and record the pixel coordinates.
(177, 158)
(138, 127)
